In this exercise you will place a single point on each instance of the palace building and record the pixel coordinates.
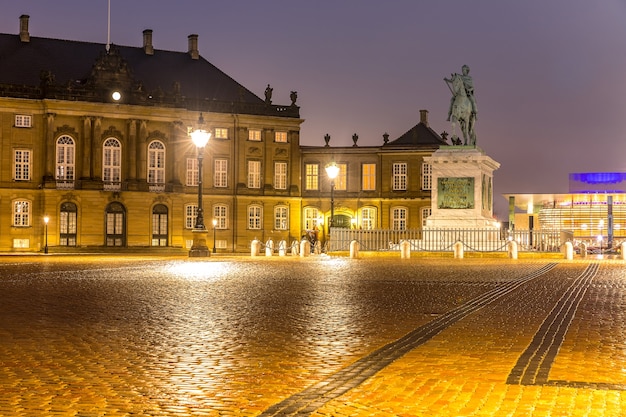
(95, 139)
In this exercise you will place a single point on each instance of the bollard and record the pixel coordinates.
(569, 251)
(583, 250)
(255, 248)
(269, 247)
(405, 249)
(294, 248)
(305, 248)
(282, 248)
(623, 248)
(458, 250)
(512, 249)
(354, 249)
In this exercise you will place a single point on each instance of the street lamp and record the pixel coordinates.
(46, 219)
(332, 170)
(214, 224)
(200, 138)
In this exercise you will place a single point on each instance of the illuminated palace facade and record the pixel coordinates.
(95, 139)
(594, 210)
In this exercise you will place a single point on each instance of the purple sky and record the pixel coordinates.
(550, 76)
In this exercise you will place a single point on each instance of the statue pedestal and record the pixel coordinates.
(199, 247)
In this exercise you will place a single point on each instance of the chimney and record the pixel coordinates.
(193, 46)
(24, 35)
(424, 117)
(147, 42)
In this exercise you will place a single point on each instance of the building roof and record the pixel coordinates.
(75, 70)
(419, 135)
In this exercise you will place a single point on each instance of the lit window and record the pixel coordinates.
(220, 213)
(254, 135)
(191, 212)
(312, 176)
(255, 214)
(156, 164)
(67, 224)
(112, 164)
(280, 175)
(399, 172)
(368, 218)
(281, 219)
(221, 133)
(22, 120)
(280, 137)
(427, 176)
(21, 213)
(341, 180)
(369, 177)
(220, 174)
(192, 171)
(65, 159)
(399, 218)
(254, 174)
(22, 160)
(311, 218)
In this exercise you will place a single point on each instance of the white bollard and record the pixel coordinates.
(255, 248)
(294, 248)
(354, 249)
(458, 250)
(512, 249)
(405, 249)
(305, 248)
(569, 251)
(269, 247)
(623, 249)
(583, 250)
(282, 248)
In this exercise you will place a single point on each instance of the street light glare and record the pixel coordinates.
(332, 170)
(200, 137)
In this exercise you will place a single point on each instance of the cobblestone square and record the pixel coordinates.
(319, 336)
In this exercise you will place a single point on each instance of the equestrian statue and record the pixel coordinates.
(462, 106)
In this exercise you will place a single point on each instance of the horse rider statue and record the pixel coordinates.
(468, 83)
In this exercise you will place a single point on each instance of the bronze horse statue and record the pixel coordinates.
(462, 112)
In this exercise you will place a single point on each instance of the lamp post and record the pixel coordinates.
(200, 138)
(332, 170)
(214, 224)
(46, 219)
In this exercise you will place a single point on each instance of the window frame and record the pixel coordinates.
(191, 214)
(220, 213)
(254, 174)
(220, 173)
(312, 177)
(192, 172)
(112, 170)
(368, 218)
(255, 135)
(21, 213)
(221, 133)
(23, 120)
(399, 218)
(156, 163)
(399, 176)
(280, 136)
(22, 164)
(65, 160)
(280, 175)
(368, 178)
(427, 176)
(281, 217)
(310, 222)
(255, 217)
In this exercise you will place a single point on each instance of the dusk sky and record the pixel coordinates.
(549, 75)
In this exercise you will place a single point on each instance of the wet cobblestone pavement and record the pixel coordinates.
(319, 336)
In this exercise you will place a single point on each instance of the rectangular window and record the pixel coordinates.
(426, 212)
(281, 220)
(342, 177)
(368, 218)
(220, 213)
(23, 120)
(221, 133)
(398, 217)
(427, 176)
(22, 159)
(312, 176)
(280, 175)
(399, 172)
(21, 213)
(369, 177)
(254, 135)
(220, 173)
(254, 174)
(254, 217)
(191, 212)
(192, 171)
(280, 137)
(310, 218)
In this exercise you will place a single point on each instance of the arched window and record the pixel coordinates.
(281, 217)
(65, 162)
(156, 166)
(112, 164)
(159, 225)
(311, 218)
(115, 224)
(368, 218)
(255, 217)
(67, 224)
(220, 213)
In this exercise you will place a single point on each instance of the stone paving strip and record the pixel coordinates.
(312, 398)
